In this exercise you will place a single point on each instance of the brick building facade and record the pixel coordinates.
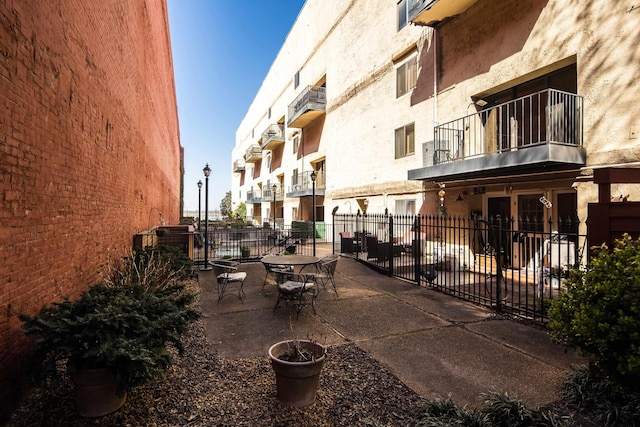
(89, 150)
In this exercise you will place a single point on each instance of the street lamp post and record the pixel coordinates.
(313, 196)
(199, 203)
(207, 172)
(274, 188)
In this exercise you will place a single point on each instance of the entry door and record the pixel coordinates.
(531, 218)
(568, 215)
(499, 234)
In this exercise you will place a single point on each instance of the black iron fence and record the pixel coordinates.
(245, 243)
(251, 243)
(514, 267)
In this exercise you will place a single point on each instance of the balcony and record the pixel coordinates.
(307, 107)
(433, 12)
(253, 154)
(254, 197)
(273, 137)
(535, 133)
(267, 194)
(238, 166)
(301, 184)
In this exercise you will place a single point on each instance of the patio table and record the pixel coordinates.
(290, 260)
(279, 261)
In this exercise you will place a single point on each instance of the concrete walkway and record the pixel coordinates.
(434, 343)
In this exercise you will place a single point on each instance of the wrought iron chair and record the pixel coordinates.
(227, 274)
(296, 289)
(272, 270)
(326, 270)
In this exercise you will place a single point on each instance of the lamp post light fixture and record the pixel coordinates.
(199, 203)
(274, 188)
(313, 196)
(207, 172)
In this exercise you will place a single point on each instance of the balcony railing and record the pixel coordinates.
(267, 194)
(254, 196)
(253, 154)
(272, 137)
(238, 166)
(307, 106)
(302, 185)
(547, 117)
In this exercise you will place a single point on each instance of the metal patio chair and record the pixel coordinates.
(227, 274)
(326, 271)
(297, 290)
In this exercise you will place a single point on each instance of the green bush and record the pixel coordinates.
(125, 324)
(599, 314)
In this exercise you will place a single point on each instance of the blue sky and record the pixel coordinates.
(222, 50)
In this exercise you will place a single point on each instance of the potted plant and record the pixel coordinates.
(115, 336)
(245, 252)
(297, 365)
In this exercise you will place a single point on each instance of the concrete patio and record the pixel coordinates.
(435, 344)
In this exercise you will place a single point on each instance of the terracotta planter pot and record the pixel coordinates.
(297, 382)
(96, 393)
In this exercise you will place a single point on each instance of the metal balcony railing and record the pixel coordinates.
(312, 99)
(546, 117)
(267, 194)
(238, 166)
(302, 182)
(253, 153)
(254, 196)
(272, 136)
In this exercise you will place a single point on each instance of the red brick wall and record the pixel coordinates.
(89, 143)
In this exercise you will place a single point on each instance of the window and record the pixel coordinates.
(268, 161)
(294, 179)
(296, 143)
(531, 213)
(405, 207)
(296, 79)
(406, 76)
(269, 113)
(403, 13)
(405, 141)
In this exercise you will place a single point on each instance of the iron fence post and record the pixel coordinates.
(391, 251)
(416, 248)
(499, 263)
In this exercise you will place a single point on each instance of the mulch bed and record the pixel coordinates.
(202, 390)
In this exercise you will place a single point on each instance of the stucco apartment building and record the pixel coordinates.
(89, 151)
(497, 106)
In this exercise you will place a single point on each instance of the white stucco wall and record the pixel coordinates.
(487, 48)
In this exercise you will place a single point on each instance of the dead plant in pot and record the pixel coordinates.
(297, 365)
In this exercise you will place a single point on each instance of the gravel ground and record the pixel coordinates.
(202, 390)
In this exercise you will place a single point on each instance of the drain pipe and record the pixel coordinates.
(435, 77)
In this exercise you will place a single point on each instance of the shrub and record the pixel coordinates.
(599, 314)
(125, 324)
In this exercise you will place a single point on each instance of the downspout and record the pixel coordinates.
(435, 78)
